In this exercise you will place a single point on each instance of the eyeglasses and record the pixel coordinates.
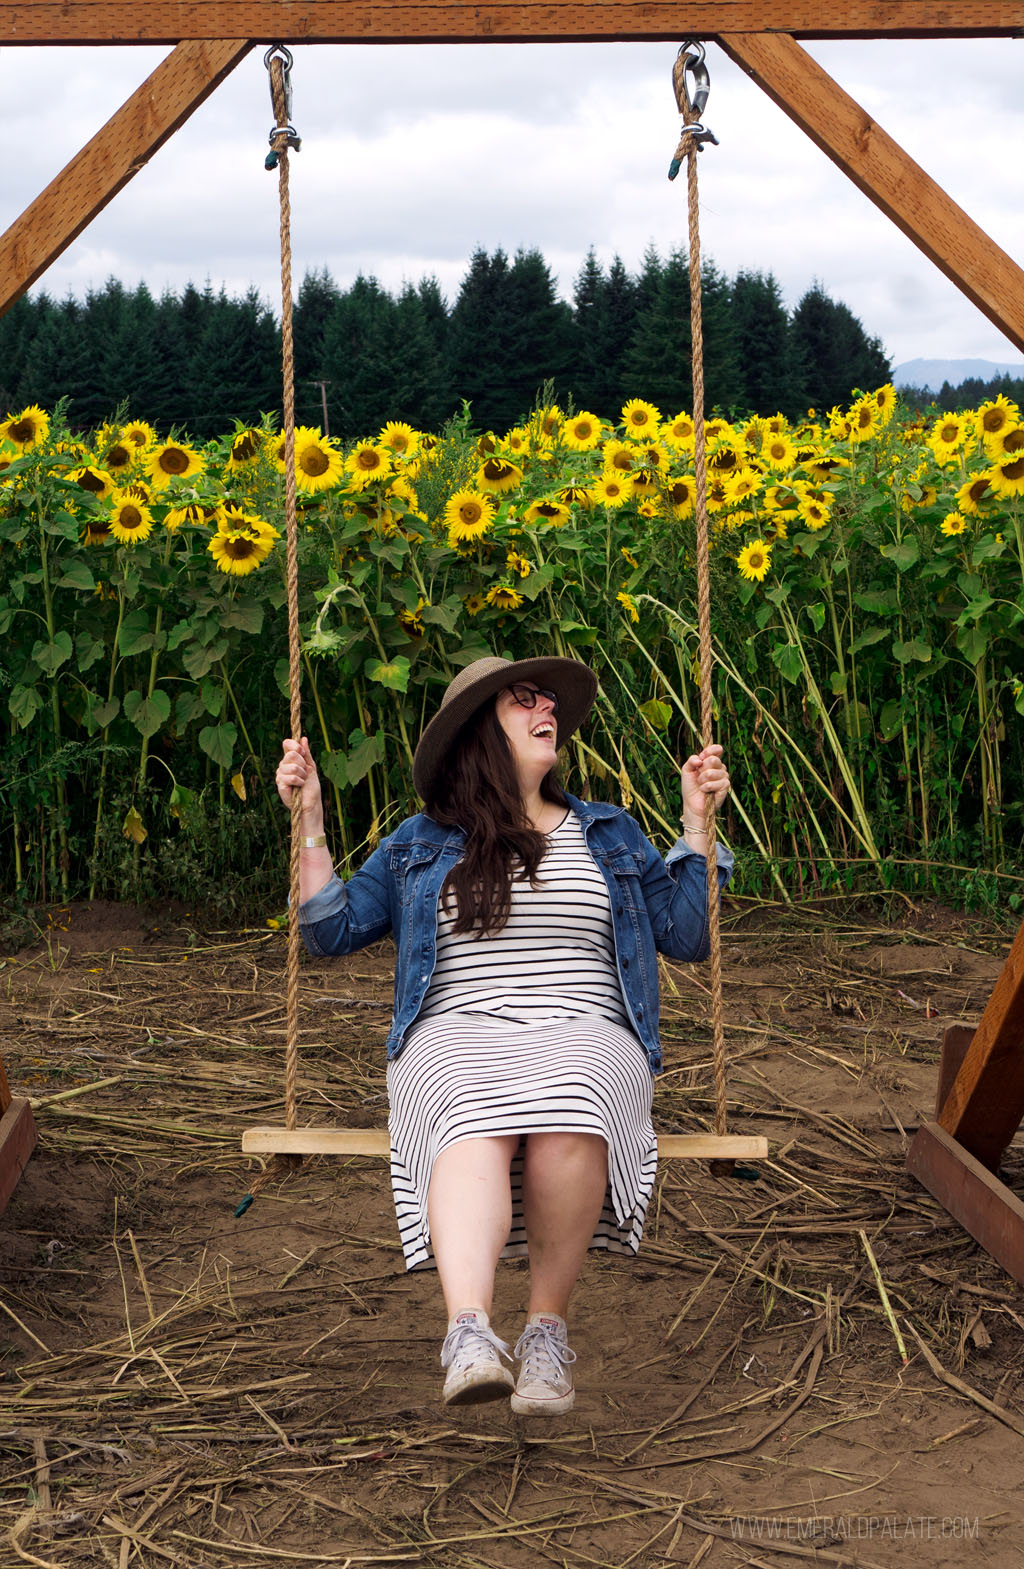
(526, 696)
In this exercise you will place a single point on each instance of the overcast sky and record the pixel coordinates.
(414, 156)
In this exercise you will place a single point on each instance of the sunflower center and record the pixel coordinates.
(949, 433)
(119, 457)
(314, 462)
(245, 447)
(993, 420)
(1013, 470)
(91, 481)
(622, 460)
(174, 461)
(240, 547)
(130, 517)
(367, 459)
(495, 469)
(471, 512)
(24, 430)
(97, 528)
(1013, 440)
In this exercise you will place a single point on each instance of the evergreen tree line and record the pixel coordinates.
(197, 360)
(967, 394)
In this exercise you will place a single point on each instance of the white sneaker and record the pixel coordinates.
(544, 1386)
(472, 1355)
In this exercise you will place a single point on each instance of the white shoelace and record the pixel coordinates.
(466, 1342)
(542, 1354)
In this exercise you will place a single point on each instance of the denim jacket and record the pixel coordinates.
(658, 905)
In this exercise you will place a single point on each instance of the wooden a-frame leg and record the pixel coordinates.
(128, 140)
(880, 168)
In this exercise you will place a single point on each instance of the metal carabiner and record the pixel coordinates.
(693, 57)
(284, 54)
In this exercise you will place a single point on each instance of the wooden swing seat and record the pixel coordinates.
(375, 1141)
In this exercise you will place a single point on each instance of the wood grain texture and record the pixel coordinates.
(375, 1141)
(984, 1108)
(982, 1204)
(345, 21)
(124, 145)
(880, 168)
(17, 1141)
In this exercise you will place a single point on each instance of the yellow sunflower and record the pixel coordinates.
(865, 419)
(619, 455)
(1007, 476)
(885, 401)
(782, 500)
(139, 433)
(197, 513)
(469, 514)
(548, 511)
(412, 620)
(996, 416)
(628, 556)
(777, 450)
(549, 421)
(582, 432)
(678, 432)
(474, 603)
(502, 597)
(1007, 444)
(970, 496)
(518, 440)
(612, 489)
(953, 523)
(821, 467)
(947, 436)
(367, 462)
(754, 561)
(815, 513)
(239, 551)
(401, 490)
(130, 519)
(118, 454)
(318, 463)
(518, 564)
(26, 429)
(575, 496)
(96, 530)
(399, 438)
(629, 605)
(173, 460)
(498, 474)
(95, 480)
(682, 495)
(246, 446)
(641, 420)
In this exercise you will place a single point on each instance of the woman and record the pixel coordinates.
(525, 1029)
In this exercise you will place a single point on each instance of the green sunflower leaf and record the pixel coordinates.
(915, 648)
(218, 742)
(891, 719)
(362, 757)
(24, 703)
(133, 828)
(76, 575)
(786, 659)
(103, 714)
(247, 617)
(50, 656)
(867, 637)
(394, 674)
(136, 634)
(656, 713)
(904, 554)
(147, 714)
(87, 650)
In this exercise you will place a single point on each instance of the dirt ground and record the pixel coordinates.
(178, 1386)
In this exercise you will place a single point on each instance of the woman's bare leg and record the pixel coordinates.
(469, 1206)
(565, 1177)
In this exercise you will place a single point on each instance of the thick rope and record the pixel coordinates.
(690, 145)
(280, 147)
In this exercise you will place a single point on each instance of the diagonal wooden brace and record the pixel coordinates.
(124, 145)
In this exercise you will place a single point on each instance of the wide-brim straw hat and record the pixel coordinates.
(573, 684)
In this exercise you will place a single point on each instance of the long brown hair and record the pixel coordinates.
(477, 790)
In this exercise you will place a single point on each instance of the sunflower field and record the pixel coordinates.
(868, 606)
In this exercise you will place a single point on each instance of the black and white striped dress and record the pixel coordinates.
(523, 1032)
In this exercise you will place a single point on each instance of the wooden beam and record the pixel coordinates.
(881, 169)
(127, 142)
(982, 1204)
(17, 1141)
(984, 1108)
(464, 21)
(375, 1141)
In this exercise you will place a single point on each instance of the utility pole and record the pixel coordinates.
(323, 385)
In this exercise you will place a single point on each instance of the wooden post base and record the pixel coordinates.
(375, 1141)
(17, 1141)
(982, 1204)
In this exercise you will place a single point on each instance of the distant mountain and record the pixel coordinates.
(931, 374)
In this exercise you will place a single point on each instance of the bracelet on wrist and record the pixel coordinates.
(693, 828)
(314, 842)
